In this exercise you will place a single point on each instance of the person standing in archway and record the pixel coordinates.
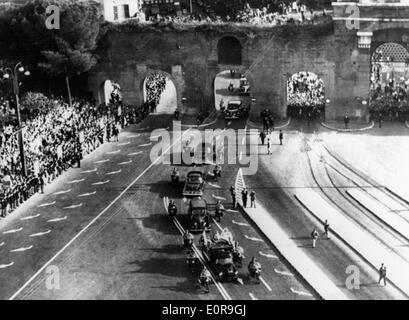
(346, 121)
(281, 137)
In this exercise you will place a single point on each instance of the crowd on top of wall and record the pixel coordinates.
(56, 136)
(257, 13)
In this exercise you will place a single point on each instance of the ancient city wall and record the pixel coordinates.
(269, 57)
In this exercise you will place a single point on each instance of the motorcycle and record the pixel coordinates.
(172, 210)
(219, 212)
(255, 272)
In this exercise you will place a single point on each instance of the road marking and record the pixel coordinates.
(134, 136)
(284, 273)
(93, 221)
(13, 230)
(89, 171)
(101, 183)
(46, 204)
(77, 181)
(102, 161)
(252, 238)
(123, 163)
(30, 217)
(57, 219)
(113, 172)
(265, 284)
(218, 198)
(230, 210)
(240, 280)
(4, 266)
(241, 155)
(154, 137)
(124, 143)
(1, 244)
(214, 185)
(61, 192)
(229, 123)
(146, 144)
(40, 234)
(22, 249)
(135, 153)
(252, 296)
(114, 152)
(240, 223)
(267, 255)
(87, 194)
(73, 206)
(140, 129)
(301, 293)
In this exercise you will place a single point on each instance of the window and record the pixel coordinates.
(115, 13)
(126, 10)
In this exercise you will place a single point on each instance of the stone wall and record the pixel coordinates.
(269, 57)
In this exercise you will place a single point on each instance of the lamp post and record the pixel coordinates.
(12, 74)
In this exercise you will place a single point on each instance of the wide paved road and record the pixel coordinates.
(102, 231)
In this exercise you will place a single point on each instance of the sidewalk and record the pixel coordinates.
(356, 238)
(300, 261)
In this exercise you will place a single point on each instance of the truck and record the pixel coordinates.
(220, 254)
(199, 217)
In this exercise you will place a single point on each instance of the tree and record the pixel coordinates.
(74, 42)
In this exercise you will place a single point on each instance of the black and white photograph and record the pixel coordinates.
(204, 154)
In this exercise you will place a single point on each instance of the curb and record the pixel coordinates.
(348, 130)
(251, 123)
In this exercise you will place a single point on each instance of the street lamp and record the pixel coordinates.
(13, 75)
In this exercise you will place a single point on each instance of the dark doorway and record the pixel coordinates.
(229, 51)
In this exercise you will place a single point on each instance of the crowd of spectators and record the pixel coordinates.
(305, 96)
(155, 85)
(56, 137)
(389, 98)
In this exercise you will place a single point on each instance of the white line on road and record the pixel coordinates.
(124, 143)
(229, 123)
(39, 234)
(284, 273)
(252, 296)
(46, 204)
(87, 194)
(146, 144)
(114, 152)
(62, 192)
(93, 220)
(240, 223)
(252, 238)
(241, 155)
(4, 266)
(134, 136)
(301, 293)
(135, 153)
(218, 197)
(230, 210)
(214, 185)
(267, 255)
(100, 183)
(114, 172)
(265, 284)
(102, 161)
(123, 163)
(74, 206)
(30, 217)
(77, 181)
(90, 171)
(57, 219)
(1, 244)
(13, 230)
(22, 249)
